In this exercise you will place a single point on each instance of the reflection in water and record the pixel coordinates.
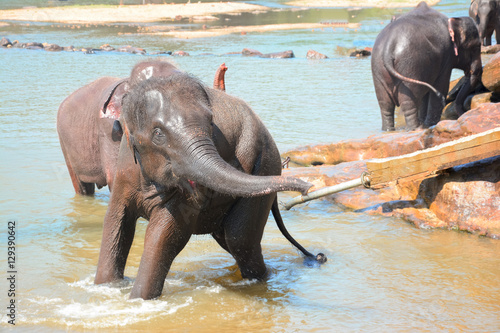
(382, 274)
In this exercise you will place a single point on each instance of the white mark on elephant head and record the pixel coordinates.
(147, 72)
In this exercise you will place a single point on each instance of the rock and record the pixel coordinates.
(131, 49)
(491, 49)
(487, 97)
(161, 52)
(5, 42)
(398, 143)
(360, 53)
(449, 112)
(107, 47)
(311, 54)
(180, 54)
(466, 197)
(491, 74)
(250, 53)
(52, 47)
(18, 45)
(70, 48)
(354, 52)
(33, 46)
(279, 55)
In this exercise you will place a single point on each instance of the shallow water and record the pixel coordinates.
(383, 274)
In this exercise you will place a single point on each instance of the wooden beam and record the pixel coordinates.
(426, 163)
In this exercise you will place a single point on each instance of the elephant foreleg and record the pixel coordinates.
(165, 238)
(118, 234)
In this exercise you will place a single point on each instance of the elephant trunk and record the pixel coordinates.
(202, 164)
(462, 95)
(472, 81)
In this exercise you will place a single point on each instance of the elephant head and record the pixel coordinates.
(170, 126)
(467, 49)
(486, 17)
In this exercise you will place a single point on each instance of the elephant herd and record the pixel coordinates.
(194, 160)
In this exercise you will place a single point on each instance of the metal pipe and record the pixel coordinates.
(363, 180)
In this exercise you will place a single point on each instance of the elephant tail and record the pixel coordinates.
(390, 68)
(320, 257)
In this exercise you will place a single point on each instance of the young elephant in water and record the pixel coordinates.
(412, 61)
(193, 160)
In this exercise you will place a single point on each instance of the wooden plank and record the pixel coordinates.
(426, 163)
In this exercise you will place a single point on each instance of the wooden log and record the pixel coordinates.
(426, 163)
(491, 74)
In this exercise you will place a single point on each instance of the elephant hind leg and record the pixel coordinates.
(79, 186)
(243, 230)
(411, 106)
(387, 106)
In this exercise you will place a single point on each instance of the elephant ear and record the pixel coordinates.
(454, 30)
(112, 106)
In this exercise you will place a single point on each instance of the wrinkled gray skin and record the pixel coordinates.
(85, 121)
(412, 60)
(193, 160)
(486, 14)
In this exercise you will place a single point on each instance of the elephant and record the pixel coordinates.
(85, 121)
(192, 160)
(412, 60)
(486, 14)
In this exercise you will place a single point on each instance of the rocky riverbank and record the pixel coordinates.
(247, 52)
(461, 198)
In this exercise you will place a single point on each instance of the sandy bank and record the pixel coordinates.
(115, 14)
(244, 29)
(360, 3)
(155, 13)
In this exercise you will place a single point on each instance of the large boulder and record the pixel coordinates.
(314, 55)
(491, 74)
(484, 118)
(463, 198)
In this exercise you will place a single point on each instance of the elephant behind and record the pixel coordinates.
(85, 121)
(412, 60)
(486, 14)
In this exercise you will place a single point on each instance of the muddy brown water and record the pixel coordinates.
(382, 274)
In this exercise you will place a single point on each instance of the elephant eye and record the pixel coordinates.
(159, 137)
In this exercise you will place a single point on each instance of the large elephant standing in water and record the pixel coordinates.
(85, 121)
(193, 160)
(486, 14)
(412, 60)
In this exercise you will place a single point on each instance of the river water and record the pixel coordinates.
(382, 274)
